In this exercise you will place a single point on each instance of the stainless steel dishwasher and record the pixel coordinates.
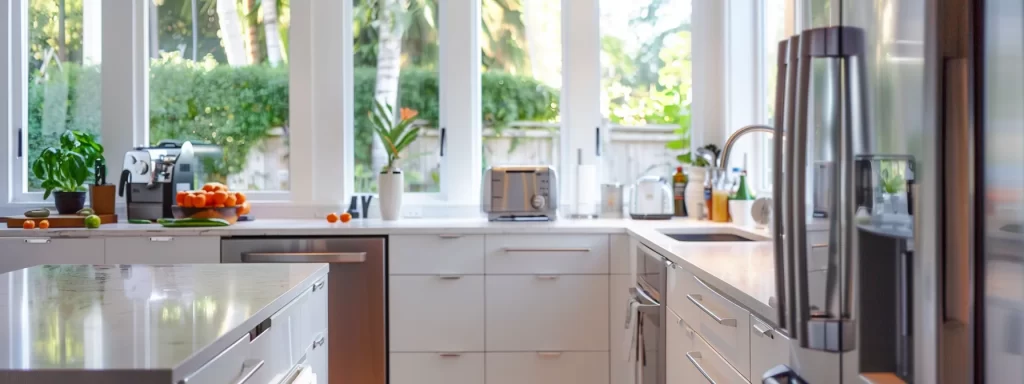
(357, 334)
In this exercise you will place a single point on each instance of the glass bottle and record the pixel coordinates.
(678, 192)
(720, 200)
(709, 183)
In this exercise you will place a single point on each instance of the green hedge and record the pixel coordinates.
(236, 107)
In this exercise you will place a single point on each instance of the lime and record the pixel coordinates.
(92, 221)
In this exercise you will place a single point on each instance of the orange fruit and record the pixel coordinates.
(28, 224)
(346, 217)
(240, 197)
(230, 201)
(209, 187)
(332, 217)
(219, 197)
(188, 201)
(243, 209)
(180, 197)
(199, 201)
(45, 224)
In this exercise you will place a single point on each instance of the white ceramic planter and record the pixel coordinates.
(390, 187)
(694, 193)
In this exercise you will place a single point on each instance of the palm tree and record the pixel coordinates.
(252, 31)
(231, 32)
(272, 30)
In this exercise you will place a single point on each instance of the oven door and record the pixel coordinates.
(650, 362)
(650, 272)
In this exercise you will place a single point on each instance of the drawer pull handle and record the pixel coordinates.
(318, 343)
(565, 250)
(161, 239)
(816, 246)
(693, 356)
(764, 331)
(449, 277)
(447, 354)
(547, 277)
(449, 236)
(319, 285)
(549, 354)
(37, 241)
(696, 300)
(249, 368)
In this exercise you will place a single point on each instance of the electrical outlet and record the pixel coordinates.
(412, 212)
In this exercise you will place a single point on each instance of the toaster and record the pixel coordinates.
(651, 199)
(520, 193)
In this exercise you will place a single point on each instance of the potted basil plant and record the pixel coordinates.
(397, 133)
(65, 168)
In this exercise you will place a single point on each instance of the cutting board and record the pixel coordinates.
(59, 221)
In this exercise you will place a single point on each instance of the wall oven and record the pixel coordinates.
(648, 300)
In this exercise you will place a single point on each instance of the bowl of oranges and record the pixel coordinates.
(214, 201)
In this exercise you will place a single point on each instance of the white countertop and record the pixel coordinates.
(743, 271)
(154, 318)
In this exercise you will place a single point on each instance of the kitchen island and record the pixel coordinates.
(161, 323)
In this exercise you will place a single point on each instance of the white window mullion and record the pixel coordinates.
(123, 64)
(301, 102)
(460, 98)
(581, 92)
(330, 134)
(11, 45)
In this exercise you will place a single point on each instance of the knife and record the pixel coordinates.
(100, 169)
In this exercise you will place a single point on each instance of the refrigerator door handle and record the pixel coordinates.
(789, 121)
(778, 182)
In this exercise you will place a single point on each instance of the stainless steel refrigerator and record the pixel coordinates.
(911, 113)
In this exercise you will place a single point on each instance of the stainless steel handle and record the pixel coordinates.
(566, 250)
(449, 236)
(696, 299)
(786, 288)
(646, 303)
(303, 257)
(249, 368)
(449, 277)
(763, 330)
(319, 285)
(319, 342)
(449, 354)
(818, 246)
(778, 182)
(37, 241)
(547, 277)
(693, 356)
(798, 179)
(549, 354)
(161, 239)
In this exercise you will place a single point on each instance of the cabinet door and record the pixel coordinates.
(768, 348)
(619, 258)
(622, 369)
(547, 368)
(711, 366)
(679, 342)
(436, 313)
(317, 357)
(291, 327)
(163, 250)
(436, 368)
(435, 254)
(547, 313)
(24, 252)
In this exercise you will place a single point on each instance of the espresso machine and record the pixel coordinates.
(152, 176)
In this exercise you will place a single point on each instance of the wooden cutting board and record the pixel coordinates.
(59, 221)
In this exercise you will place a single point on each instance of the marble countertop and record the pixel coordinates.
(170, 318)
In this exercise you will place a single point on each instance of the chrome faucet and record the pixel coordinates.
(724, 160)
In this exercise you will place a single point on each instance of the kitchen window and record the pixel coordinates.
(775, 25)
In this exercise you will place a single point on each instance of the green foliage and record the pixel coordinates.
(66, 167)
(396, 132)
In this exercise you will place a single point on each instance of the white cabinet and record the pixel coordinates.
(547, 368)
(23, 252)
(546, 254)
(711, 366)
(679, 342)
(163, 250)
(768, 348)
(619, 254)
(317, 357)
(436, 368)
(291, 328)
(721, 322)
(436, 313)
(436, 254)
(226, 366)
(547, 313)
(621, 369)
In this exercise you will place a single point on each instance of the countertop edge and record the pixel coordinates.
(196, 361)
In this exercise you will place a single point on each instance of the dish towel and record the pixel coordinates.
(305, 376)
(632, 334)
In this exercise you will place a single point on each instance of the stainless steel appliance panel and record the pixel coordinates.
(357, 295)
(520, 193)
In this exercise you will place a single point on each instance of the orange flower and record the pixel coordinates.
(406, 113)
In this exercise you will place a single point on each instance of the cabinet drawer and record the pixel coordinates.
(547, 367)
(163, 250)
(436, 368)
(711, 366)
(291, 328)
(768, 348)
(24, 252)
(721, 322)
(436, 254)
(680, 283)
(227, 366)
(619, 257)
(547, 313)
(679, 341)
(431, 313)
(526, 254)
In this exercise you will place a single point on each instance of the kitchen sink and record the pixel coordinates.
(712, 235)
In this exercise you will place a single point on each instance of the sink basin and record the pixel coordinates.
(712, 235)
(707, 237)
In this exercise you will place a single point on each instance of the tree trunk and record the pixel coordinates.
(231, 32)
(270, 26)
(62, 49)
(154, 30)
(252, 32)
(389, 55)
